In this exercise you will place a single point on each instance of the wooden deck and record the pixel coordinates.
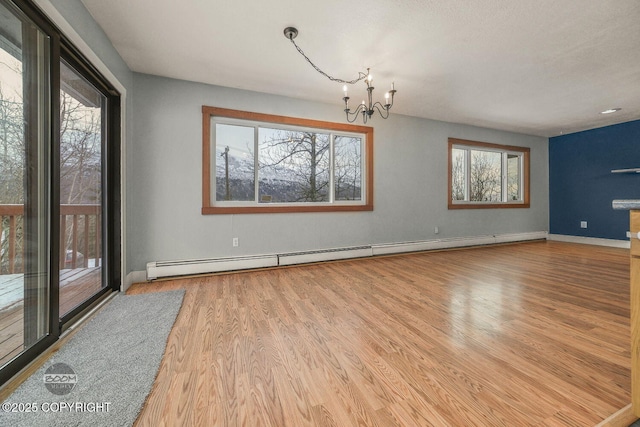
(75, 287)
(533, 334)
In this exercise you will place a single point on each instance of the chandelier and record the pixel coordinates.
(366, 109)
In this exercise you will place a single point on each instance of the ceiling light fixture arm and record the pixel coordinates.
(292, 32)
(366, 109)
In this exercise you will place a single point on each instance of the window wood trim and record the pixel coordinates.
(208, 208)
(480, 205)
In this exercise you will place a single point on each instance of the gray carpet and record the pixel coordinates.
(115, 357)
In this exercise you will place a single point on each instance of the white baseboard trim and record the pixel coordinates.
(133, 277)
(590, 241)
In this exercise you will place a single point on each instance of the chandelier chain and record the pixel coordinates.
(366, 110)
(361, 75)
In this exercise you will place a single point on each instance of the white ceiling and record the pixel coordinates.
(542, 67)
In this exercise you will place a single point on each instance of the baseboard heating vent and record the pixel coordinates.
(324, 255)
(519, 237)
(401, 247)
(455, 242)
(159, 269)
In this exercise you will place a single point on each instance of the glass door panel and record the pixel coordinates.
(82, 113)
(24, 184)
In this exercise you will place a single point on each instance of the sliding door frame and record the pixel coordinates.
(20, 7)
(62, 48)
(110, 174)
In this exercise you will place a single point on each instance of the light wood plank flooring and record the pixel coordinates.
(533, 334)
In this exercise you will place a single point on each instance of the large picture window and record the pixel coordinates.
(263, 163)
(484, 175)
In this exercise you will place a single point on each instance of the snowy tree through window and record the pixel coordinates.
(259, 164)
(484, 175)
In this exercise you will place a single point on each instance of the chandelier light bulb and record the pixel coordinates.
(367, 109)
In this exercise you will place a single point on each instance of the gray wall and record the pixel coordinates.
(163, 173)
(410, 181)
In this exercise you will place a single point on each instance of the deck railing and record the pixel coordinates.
(80, 237)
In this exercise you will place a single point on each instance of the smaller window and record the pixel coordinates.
(484, 175)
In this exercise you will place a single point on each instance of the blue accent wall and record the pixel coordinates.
(581, 185)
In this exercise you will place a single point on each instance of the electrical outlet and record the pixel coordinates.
(235, 242)
(583, 224)
(436, 230)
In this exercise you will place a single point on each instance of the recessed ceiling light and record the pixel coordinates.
(610, 110)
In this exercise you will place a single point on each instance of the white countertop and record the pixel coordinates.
(626, 204)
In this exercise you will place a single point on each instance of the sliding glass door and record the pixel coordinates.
(82, 109)
(59, 185)
(24, 184)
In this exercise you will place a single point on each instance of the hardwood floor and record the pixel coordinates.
(533, 334)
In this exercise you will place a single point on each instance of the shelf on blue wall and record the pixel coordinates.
(633, 170)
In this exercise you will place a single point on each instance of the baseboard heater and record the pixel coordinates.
(159, 269)
(324, 255)
(455, 242)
